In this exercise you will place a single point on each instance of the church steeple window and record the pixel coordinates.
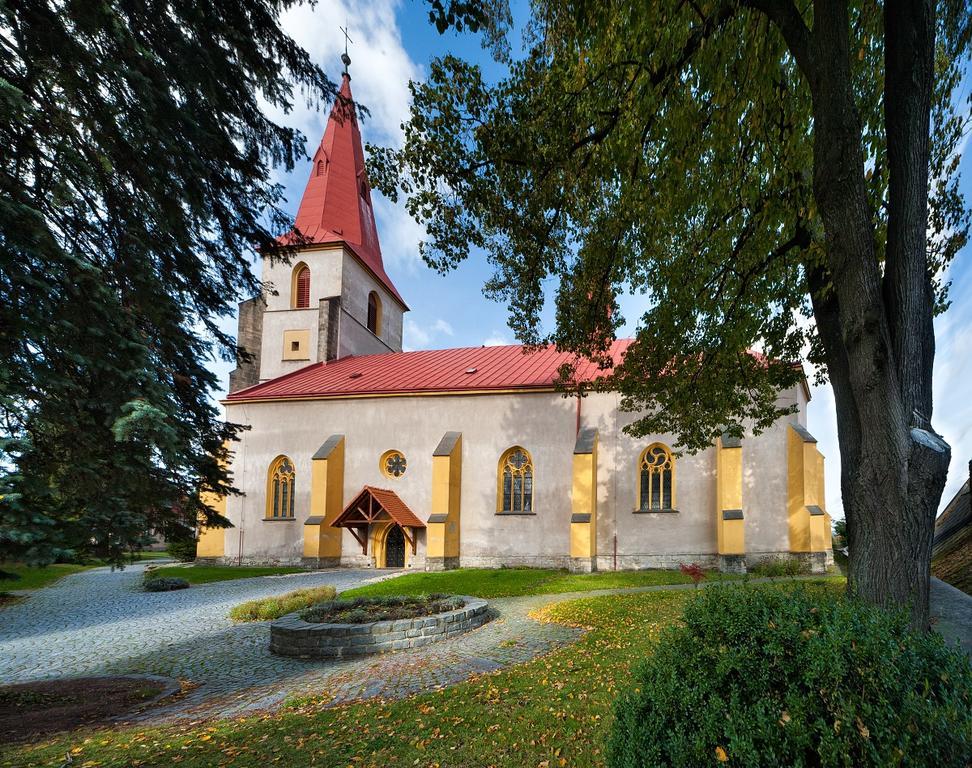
(301, 287)
(515, 476)
(374, 313)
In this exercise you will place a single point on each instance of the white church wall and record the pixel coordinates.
(542, 423)
(648, 539)
(358, 283)
(325, 265)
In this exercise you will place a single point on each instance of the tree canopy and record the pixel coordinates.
(663, 149)
(135, 181)
(779, 179)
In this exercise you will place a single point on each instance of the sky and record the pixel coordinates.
(393, 43)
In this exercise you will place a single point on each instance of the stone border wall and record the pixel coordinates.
(290, 635)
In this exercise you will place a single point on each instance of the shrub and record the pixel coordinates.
(693, 571)
(794, 676)
(360, 610)
(279, 605)
(779, 566)
(165, 584)
(183, 550)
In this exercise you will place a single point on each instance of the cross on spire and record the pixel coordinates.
(344, 56)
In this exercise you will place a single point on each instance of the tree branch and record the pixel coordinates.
(786, 17)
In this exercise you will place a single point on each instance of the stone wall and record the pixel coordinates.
(292, 636)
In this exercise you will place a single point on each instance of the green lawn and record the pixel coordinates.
(507, 582)
(201, 574)
(553, 711)
(33, 577)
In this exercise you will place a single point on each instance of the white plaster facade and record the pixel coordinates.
(545, 424)
(335, 272)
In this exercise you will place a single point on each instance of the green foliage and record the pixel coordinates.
(269, 608)
(779, 566)
(636, 149)
(362, 610)
(183, 550)
(163, 583)
(794, 677)
(135, 181)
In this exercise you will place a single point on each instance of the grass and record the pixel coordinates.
(202, 574)
(37, 577)
(553, 711)
(510, 582)
(33, 577)
(274, 607)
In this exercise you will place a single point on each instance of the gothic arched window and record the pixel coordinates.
(301, 287)
(656, 472)
(280, 489)
(515, 480)
(374, 313)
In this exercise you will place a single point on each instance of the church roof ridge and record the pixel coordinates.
(336, 204)
(428, 371)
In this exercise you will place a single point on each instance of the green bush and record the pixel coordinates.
(779, 566)
(183, 550)
(274, 607)
(164, 584)
(760, 676)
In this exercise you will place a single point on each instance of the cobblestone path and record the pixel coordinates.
(101, 622)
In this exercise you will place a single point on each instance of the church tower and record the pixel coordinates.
(334, 299)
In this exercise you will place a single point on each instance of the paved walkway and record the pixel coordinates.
(952, 610)
(99, 622)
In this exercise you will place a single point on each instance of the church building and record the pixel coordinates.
(360, 454)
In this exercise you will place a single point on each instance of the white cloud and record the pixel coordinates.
(419, 336)
(441, 326)
(496, 339)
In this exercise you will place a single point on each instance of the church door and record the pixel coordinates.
(395, 548)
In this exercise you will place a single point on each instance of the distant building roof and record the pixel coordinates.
(463, 369)
(957, 515)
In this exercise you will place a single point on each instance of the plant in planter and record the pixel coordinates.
(164, 583)
(362, 610)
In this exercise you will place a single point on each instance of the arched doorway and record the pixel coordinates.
(395, 548)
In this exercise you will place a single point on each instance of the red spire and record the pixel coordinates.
(336, 206)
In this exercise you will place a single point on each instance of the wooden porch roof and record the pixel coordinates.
(369, 506)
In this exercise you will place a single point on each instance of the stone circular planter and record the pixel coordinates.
(290, 635)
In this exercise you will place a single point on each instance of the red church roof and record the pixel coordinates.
(336, 205)
(428, 371)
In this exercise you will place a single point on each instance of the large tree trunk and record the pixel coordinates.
(877, 329)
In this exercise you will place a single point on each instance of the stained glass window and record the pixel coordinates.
(516, 481)
(393, 464)
(657, 478)
(280, 499)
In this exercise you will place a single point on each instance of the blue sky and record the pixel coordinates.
(393, 42)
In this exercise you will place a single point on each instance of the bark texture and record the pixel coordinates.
(876, 327)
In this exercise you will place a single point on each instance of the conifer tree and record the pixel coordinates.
(135, 181)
